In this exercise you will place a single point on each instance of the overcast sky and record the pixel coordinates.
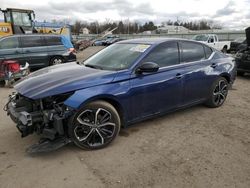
(232, 14)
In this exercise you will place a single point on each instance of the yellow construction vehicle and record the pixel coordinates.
(17, 21)
(22, 21)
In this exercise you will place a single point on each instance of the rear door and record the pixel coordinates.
(196, 68)
(9, 49)
(34, 50)
(55, 46)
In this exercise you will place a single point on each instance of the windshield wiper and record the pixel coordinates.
(93, 66)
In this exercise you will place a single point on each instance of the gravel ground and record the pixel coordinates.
(196, 147)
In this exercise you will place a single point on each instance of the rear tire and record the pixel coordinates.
(224, 49)
(218, 93)
(94, 126)
(56, 60)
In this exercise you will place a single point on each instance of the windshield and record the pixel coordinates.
(116, 56)
(200, 37)
(21, 19)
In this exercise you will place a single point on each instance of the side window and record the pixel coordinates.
(208, 51)
(53, 40)
(164, 55)
(9, 43)
(211, 39)
(31, 41)
(192, 52)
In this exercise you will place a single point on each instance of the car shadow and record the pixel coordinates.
(126, 131)
(246, 76)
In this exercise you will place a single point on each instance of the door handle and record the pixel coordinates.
(214, 65)
(178, 75)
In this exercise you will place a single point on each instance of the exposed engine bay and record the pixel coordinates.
(46, 117)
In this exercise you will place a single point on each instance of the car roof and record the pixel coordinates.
(152, 40)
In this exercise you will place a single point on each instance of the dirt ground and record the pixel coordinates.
(197, 147)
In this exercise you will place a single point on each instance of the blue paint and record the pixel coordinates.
(139, 96)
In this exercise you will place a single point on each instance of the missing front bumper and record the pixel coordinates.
(50, 124)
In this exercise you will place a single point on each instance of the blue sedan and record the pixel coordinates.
(125, 83)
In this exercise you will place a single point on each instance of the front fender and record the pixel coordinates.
(117, 92)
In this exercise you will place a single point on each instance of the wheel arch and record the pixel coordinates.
(111, 100)
(226, 76)
(225, 46)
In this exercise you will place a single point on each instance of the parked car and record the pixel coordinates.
(83, 44)
(213, 41)
(243, 57)
(238, 44)
(38, 50)
(125, 83)
(99, 42)
(112, 41)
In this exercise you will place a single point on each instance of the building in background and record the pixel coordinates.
(168, 29)
(84, 31)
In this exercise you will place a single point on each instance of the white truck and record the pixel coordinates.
(213, 41)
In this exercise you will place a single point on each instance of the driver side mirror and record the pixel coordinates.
(147, 67)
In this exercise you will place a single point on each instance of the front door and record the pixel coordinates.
(153, 93)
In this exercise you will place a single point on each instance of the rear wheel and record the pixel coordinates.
(224, 49)
(56, 60)
(218, 93)
(95, 125)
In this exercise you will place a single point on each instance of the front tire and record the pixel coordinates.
(95, 125)
(218, 93)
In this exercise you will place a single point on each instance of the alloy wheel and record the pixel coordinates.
(220, 92)
(57, 61)
(94, 127)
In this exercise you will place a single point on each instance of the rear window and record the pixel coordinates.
(53, 40)
(31, 41)
(9, 43)
(192, 52)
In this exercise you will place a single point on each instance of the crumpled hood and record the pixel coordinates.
(62, 79)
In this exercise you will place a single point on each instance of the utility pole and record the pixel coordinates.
(128, 26)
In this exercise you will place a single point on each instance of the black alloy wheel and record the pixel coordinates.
(95, 126)
(218, 93)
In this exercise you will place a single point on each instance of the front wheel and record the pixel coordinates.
(95, 125)
(218, 93)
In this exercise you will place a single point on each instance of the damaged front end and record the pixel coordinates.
(46, 117)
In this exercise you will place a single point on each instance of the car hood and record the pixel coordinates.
(62, 79)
